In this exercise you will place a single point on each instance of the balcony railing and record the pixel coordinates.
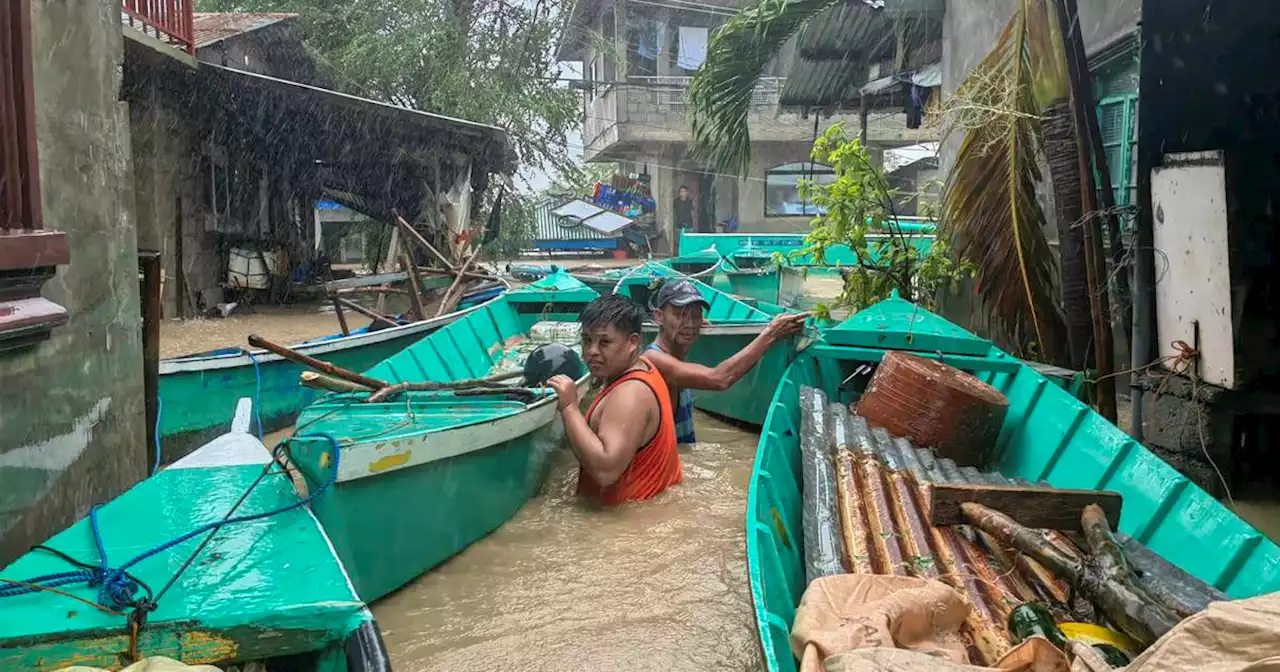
(169, 21)
(668, 92)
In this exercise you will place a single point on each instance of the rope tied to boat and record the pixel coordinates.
(118, 588)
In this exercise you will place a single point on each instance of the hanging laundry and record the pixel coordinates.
(693, 47)
(916, 101)
(652, 36)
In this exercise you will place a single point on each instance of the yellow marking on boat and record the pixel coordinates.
(324, 459)
(202, 648)
(782, 528)
(389, 462)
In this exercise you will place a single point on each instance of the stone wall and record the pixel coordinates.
(71, 408)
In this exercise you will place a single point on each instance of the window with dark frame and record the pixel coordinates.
(29, 253)
(784, 196)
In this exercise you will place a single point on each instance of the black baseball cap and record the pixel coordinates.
(679, 293)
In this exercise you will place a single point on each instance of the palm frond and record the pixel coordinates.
(989, 204)
(721, 90)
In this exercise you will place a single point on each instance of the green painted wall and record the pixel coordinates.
(71, 411)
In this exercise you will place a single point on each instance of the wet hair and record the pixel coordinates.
(614, 309)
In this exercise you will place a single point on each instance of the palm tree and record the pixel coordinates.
(1013, 107)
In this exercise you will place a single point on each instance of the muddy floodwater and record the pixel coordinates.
(281, 324)
(659, 585)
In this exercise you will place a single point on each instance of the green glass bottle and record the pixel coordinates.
(1031, 619)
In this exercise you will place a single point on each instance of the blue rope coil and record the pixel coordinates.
(118, 590)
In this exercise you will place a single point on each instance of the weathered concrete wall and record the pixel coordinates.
(71, 408)
(169, 196)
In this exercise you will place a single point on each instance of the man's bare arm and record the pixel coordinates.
(626, 419)
(722, 376)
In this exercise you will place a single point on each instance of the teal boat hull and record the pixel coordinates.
(259, 590)
(428, 474)
(788, 244)
(196, 392)
(1048, 435)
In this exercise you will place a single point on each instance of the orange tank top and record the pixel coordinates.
(656, 466)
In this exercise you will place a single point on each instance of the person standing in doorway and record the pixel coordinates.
(683, 210)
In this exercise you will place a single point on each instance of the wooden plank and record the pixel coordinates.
(1032, 506)
(365, 281)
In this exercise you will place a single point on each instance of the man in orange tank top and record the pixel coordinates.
(626, 442)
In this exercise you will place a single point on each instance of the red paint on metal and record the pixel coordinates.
(167, 20)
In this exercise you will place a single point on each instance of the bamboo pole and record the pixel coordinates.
(319, 381)
(370, 290)
(416, 237)
(342, 319)
(366, 312)
(1095, 264)
(489, 383)
(324, 367)
(415, 285)
(388, 262)
(450, 298)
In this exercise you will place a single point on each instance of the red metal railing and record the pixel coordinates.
(166, 20)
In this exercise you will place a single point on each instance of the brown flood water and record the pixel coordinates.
(657, 585)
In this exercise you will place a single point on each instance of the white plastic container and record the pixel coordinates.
(250, 268)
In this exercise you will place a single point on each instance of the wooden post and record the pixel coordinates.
(324, 367)
(388, 263)
(342, 319)
(152, 270)
(1081, 100)
(415, 285)
(412, 234)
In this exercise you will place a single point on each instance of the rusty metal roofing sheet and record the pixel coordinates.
(883, 504)
(211, 27)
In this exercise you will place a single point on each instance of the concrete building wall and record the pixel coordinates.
(169, 192)
(71, 408)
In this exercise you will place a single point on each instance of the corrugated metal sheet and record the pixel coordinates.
(210, 27)
(837, 48)
(885, 530)
(551, 227)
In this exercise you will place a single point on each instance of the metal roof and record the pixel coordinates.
(837, 48)
(888, 480)
(552, 227)
(211, 27)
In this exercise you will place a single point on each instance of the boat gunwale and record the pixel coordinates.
(197, 363)
(352, 468)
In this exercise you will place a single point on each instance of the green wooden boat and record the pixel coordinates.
(196, 391)
(788, 243)
(259, 590)
(427, 474)
(1048, 436)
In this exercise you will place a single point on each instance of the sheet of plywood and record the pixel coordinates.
(1192, 262)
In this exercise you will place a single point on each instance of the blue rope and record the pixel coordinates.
(159, 410)
(116, 589)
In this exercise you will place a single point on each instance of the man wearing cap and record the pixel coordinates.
(678, 309)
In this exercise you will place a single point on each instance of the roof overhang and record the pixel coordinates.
(348, 121)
